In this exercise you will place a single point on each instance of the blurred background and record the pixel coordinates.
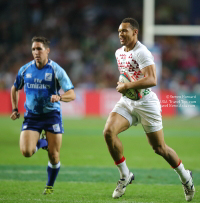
(84, 38)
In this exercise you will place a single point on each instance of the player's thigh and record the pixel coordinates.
(156, 139)
(116, 123)
(54, 142)
(28, 139)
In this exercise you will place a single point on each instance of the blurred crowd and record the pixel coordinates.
(84, 38)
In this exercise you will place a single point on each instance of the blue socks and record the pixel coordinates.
(52, 171)
(41, 143)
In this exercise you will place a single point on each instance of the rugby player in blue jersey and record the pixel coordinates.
(42, 79)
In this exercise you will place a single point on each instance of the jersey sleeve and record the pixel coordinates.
(19, 81)
(63, 79)
(145, 58)
(116, 54)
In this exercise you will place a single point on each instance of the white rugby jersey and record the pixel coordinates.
(133, 61)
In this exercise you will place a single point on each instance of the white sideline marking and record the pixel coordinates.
(48, 200)
(39, 200)
(44, 172)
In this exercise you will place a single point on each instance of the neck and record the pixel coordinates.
(131, 46)
(40, 65)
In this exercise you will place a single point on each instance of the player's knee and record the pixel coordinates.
(54, 157)
(108, 134)
(26, 153)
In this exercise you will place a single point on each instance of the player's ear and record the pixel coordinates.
(48, 50)
(135, 32)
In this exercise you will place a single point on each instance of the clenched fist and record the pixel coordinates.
(15, 115)
(55, 98)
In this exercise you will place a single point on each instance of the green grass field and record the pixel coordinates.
(88, 173)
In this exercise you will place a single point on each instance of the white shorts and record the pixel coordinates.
(146, 111)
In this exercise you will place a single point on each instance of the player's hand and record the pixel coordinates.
(15, 115)
(121, 87)
(55, 98)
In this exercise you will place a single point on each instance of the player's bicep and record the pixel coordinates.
(150, 73)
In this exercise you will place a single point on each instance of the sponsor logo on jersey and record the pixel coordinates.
(25, 126)
(56, 127)
(28, 75)
(37, 86)
(48, 76)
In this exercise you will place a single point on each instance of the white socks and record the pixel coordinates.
(123, 170)
(183, 174)
(180, 170)
(54, 166)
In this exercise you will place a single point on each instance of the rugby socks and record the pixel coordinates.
(183, 174)
(52, 171)
(122, 167)
(41, 143)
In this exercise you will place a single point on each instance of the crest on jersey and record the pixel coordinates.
(28, 75)
(48, 76)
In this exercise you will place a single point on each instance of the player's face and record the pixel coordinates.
(126, 34)
(40, 53)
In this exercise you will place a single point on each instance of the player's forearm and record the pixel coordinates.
(68, 96)
(14, 97)
(143, 83)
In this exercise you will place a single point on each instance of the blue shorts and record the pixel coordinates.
(51, 122)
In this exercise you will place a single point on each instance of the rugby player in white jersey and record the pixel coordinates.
(133, 57)
(42, 79)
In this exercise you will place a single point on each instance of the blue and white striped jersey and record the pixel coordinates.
(41, 84)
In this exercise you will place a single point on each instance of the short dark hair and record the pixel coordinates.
(134, 24)
(44, 40)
